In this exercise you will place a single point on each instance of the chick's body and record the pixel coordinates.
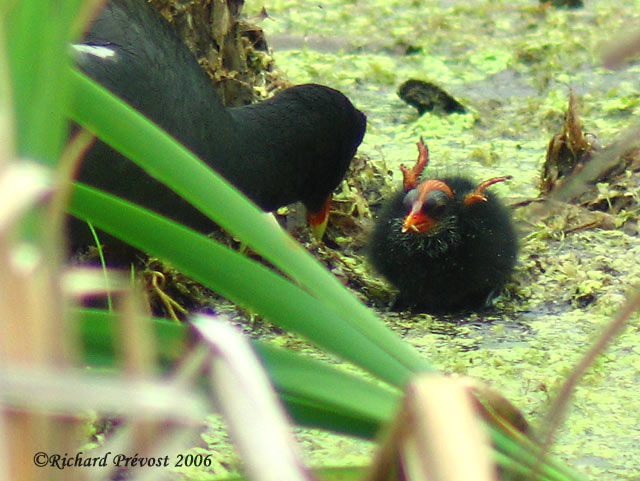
(465, 255)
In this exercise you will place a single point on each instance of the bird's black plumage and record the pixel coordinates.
(464, 250)
(293, 147)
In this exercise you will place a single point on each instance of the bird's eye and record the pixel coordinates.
(409, 199)
(436, 204)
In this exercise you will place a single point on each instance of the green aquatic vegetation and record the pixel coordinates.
(512, 64)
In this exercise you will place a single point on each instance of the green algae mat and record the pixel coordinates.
(512, 65)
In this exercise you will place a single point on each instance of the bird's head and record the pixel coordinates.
(427, 204)
(432, 204)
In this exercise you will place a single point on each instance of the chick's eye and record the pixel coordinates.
(409, 199)
(435, 205)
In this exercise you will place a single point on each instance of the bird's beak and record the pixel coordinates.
(417, 221)
(318, 220)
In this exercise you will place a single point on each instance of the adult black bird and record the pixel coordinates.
(447, 244)
(296, 146)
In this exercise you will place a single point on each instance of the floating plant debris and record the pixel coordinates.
(428, 97)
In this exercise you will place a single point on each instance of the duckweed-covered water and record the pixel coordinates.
(511, 63)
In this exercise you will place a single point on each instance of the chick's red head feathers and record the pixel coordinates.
(427, 202)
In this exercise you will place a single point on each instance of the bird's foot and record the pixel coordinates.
(478, 194)
(411, 177)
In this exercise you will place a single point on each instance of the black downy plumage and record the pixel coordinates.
(447, 244)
